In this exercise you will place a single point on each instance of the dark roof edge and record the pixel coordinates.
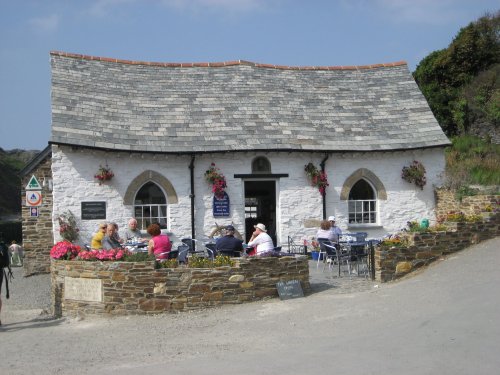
(37, 159)
(240, 151)
(223, 64)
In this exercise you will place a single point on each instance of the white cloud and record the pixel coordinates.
(45, 24)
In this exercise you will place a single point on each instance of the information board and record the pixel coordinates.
(93, 210)
(221, 206)
(289, 289)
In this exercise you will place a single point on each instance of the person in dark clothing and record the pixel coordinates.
(229, 245)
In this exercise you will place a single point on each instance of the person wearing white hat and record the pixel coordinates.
(336, 231)
(260, 239)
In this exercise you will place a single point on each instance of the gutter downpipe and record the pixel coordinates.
(322, 165)
(191, 173)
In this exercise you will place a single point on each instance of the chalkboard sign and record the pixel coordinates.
(289, 289)
(221, 206)
(93, 210)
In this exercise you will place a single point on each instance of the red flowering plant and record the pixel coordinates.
(318, 178)
(67, 226)
(64, 250)
(214, 176)
(104, 174)
(103, 255)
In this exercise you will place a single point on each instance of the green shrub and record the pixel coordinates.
(138, 257)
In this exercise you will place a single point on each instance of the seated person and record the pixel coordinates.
(337, 232)
(159, 244)
(109, 241)
(325, 232)
(132, 232)
(96, 242)
(116, 235)
(261, 240)
(229, 244)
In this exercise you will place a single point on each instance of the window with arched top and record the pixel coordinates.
(362, 203)
(150, 206)
(261, 165)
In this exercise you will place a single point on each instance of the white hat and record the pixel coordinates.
(331, 218)
(262, 227)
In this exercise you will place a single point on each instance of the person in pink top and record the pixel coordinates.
(159, 244)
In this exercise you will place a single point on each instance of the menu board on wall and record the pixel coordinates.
(93, 210)
(221, 206)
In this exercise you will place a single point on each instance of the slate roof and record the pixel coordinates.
(237, 106)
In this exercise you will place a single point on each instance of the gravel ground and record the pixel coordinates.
(28, 293)
(438, 321)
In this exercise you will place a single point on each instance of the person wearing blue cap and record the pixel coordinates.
(229, 245)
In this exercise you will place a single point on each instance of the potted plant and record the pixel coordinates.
(214, 176)
(415, 173)
(104, 174)
(317, 178)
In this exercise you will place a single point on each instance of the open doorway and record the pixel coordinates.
(260, 207)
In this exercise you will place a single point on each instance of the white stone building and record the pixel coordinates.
(159, 126)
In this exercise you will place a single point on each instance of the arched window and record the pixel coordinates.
(261, 165)
(150, 206)
(362, 203)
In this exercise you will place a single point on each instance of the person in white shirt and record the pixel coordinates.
(261, 240)
(325, 232)
(337, 232)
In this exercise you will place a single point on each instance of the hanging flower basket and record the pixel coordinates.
(415, 173)
(317, 178)
(214, 176)
(104, 174)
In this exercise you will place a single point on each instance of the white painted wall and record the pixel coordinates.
(73, 172)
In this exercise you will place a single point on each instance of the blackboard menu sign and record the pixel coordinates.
(289, 289)
(93, 210)
(221, 206)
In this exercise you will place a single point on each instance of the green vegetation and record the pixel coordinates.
(472, 161)
(462, 82)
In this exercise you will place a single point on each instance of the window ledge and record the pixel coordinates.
(364, 225)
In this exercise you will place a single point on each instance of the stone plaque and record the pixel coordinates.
(83, 289)
(93, 210)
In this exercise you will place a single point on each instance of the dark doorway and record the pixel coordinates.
(260, 207)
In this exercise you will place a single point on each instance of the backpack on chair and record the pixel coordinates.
(5, 266)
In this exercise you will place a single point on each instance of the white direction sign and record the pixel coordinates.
(33, 198)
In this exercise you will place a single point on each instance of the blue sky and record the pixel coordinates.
(282, 32)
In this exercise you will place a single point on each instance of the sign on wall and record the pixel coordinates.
(33, 184)
(34, 212)
(93, 210)
(220, 206)
(33, 198)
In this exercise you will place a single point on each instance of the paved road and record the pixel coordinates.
(443, 320)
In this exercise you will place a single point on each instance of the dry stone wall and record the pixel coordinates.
(37, 231)
(129, 288)
(424, 248)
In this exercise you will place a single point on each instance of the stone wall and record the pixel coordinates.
(128, 288)
(37, 231)
(424, 248)
(470, 205)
